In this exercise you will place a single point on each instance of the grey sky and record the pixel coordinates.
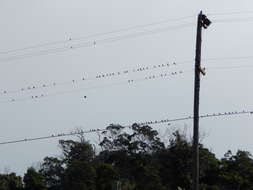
(29, 22)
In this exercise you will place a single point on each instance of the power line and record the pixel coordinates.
(93, 43)
(71, 39)
(153, 122)
(127, 71)
(230, 13)
(98, 76)
(125, 29)
(229, 67)
(105, 75)
(129, 81)
(231, 20)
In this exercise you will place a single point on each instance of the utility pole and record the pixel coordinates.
(204, 22)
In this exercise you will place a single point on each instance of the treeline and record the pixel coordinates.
(134, 159)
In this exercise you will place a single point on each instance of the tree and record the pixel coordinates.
(131, 152)
(33, 180)
(10, 182)
(107, 177)
(143, 139)
(78, 159)
(175, 162)
(52, 170)
(73, 150)
(237, 171)
(79, 175)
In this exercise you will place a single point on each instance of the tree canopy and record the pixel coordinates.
(134, 159)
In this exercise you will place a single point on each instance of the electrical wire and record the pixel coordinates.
(231, 20)
(98, 76)
(129, 81)
(125, 29)
(230, 13)
(94, 43)
(71, 39)
(154, 122)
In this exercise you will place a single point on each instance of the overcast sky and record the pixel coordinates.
(30, 22)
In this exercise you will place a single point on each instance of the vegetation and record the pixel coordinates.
(135, 159)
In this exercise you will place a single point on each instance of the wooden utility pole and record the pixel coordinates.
(202, 22)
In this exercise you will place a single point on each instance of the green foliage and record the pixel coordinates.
(33, 180)
(52, 171)
(79, 175)
(10, 182)
(107, 177)
(73, 150)
(237, 170)
(134, 159)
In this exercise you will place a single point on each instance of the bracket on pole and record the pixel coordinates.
(202, 71)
